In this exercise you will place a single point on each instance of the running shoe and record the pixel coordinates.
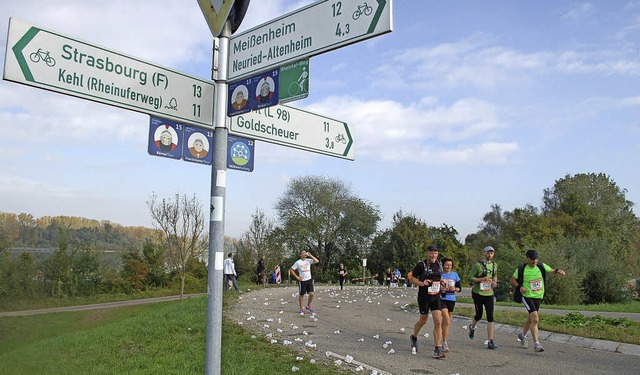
(309, 309)
(472, 332)
(445, 347)
(524, 340)
(537, 347)
(414, 344)
(301, 312)
(492, 345)
(438, 354)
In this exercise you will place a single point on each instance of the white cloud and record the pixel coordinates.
(38, 116)
(393, 131)
(485, 153)
(579, 12)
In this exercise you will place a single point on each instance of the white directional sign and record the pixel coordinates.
(51, 61)
(293, 127)
(309, 31)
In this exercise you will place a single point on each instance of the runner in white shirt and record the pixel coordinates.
(305, 281)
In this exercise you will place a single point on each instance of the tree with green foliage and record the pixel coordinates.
(526, 227)
(18, 277)
(57, 272)
(595, 205)
(28, 229)
(135, 272)
(153, 256)
(322, 215)
(446, 238)
(586, 224)
(401, 246)
(72, 271)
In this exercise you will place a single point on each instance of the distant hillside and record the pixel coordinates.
(23, 230)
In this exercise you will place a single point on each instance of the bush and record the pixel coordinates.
(191, 284)
(604, 285)
(597, 268)
(562, 290)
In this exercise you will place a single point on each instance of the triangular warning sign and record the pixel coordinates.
(216, 13)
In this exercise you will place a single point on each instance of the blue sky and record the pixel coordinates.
(465, 104)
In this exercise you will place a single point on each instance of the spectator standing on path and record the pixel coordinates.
(229, 270)
(342, 273)
(397, 275)
(450, 286)
(261, 272)
(427, 275)
(529, 280)
(484, 277)
(389, 277)
(305, 281)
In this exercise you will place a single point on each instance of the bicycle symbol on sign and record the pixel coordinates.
(341, 138)
(44, 56)
(362, 9)
(297, 87)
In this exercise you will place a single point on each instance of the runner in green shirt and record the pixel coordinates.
(532, 289)
(484, 277)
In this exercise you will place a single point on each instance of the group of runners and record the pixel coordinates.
(437, 287)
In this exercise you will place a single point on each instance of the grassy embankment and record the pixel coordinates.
(163, 338)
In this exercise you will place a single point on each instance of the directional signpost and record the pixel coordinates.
(51, 61)
(309, 31)
(296, 128)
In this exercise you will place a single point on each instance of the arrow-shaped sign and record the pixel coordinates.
(296, 128)
(309, 31)
(51, 61)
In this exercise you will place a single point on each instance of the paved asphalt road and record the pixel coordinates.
(348, 323)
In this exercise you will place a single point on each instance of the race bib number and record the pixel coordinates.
(486, 287)
(434, 288)
(450, 283)
(535, 285)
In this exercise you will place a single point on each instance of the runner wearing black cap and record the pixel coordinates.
(532, 289)
(427, 275)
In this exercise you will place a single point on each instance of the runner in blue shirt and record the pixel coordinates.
(451, 286)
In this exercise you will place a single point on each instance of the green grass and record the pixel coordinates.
(627, 307)
(44, 303)
(574, 323)
(163, 338)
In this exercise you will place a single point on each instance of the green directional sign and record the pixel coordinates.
(51, 61)
(317, 28)
(289, 126)
(294, 81)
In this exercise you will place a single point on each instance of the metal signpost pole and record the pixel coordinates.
(218, 193)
